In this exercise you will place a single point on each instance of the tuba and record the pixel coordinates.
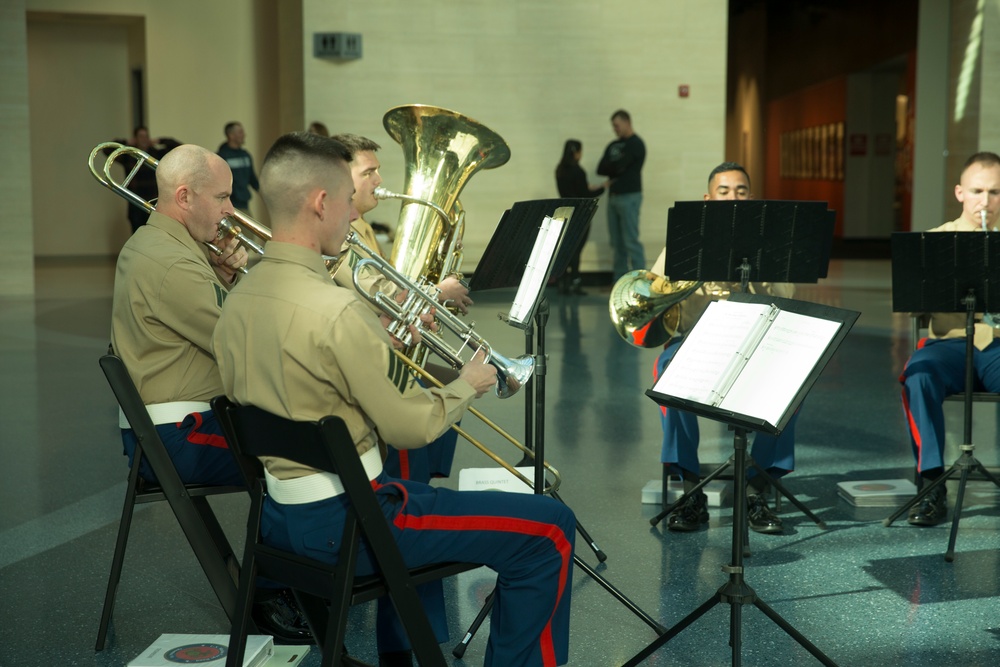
(442, 149)
(643, 317)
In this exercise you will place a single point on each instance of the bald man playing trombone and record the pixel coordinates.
(168, 295)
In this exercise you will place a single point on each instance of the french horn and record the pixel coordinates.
(644, 317)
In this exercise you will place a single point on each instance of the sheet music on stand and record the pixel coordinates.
(536, 272)
(519, 240)
(503, 261)
(751, 360)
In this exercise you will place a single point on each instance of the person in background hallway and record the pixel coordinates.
(571, 181)
(167, 299)
(319, 128)
(345, 367)
(241, 164)
(144, 181)
(775, 454)
(937, 368)
(622, 164)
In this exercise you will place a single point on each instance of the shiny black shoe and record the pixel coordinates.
(932, 510)
(760, 516)
(396, 659)
(277, 614)
(689, 515)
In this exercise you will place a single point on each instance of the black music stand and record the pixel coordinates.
(503, 265)
(763, 380)
(748, 241)
(948, 273)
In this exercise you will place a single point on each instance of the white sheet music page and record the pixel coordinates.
(709, 349)
(780, 365)
(536, 271)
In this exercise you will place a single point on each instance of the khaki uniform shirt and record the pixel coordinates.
(167, 299)
(292, 342)
(952, 325)
(695, 305)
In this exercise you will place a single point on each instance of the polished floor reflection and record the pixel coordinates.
(863, 593)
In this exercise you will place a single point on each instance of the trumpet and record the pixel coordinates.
(231, 225)
(421, 299)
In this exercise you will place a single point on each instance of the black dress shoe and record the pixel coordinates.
(277, 614)
(689, 515)
(396, 659)
(932, 510)
(760, 516)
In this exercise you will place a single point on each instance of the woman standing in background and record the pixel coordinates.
(571, 181)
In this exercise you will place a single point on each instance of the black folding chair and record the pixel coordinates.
(324, 592)
(188, 502)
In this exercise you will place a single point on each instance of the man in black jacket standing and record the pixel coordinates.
(622, 163)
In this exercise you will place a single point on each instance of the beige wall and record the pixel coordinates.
(16, 248)
(205, 64)
(537, 72)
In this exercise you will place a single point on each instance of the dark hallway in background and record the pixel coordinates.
(820, 107)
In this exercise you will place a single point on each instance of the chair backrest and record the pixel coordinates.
(325, 445)
(260, 433)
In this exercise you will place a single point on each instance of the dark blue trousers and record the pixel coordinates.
(935, 370)
(198, 449)
(526, 539)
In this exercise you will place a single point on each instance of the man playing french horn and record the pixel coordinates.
(775, 454)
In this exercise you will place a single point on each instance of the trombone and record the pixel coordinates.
(420, 300)
(230, 225)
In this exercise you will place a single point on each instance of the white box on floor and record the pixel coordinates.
(717, 492)
(172, 649)
(494, 479)
(877, 492)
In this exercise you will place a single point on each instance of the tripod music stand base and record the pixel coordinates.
(735, 594)
(965, 464)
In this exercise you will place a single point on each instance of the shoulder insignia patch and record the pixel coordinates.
(220, 294)
(398, 371)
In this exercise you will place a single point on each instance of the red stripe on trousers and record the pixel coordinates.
(910, 423)
(404, 464)
(507, 525)
(210, 439)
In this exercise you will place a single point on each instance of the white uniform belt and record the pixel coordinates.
(318, 486)
(168, 413)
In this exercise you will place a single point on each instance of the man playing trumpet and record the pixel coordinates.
(338, 359)
(937, 368)
(775, 454)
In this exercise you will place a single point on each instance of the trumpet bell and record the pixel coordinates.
(512, 374)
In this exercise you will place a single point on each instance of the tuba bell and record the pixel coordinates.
(442, 149)
(644, 317)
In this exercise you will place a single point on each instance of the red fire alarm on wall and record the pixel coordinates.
(683, 90)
